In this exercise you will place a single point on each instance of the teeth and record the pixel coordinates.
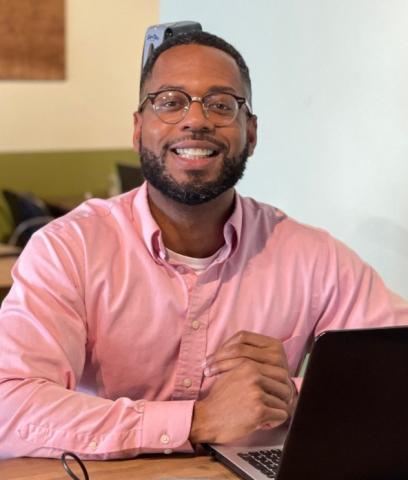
(194, 152)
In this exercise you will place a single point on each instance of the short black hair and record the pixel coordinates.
(198, 37)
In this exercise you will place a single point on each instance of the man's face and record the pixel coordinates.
(175, 157)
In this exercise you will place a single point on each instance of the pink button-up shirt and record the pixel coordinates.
(102, 340)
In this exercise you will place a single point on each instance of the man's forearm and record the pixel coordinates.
(40, 418)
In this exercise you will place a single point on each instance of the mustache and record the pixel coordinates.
(196, 136)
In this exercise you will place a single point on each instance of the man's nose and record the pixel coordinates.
(195, 118)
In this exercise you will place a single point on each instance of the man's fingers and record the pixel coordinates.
(277, 389)
(274, 402)
(273, 418)
(272, 356)
(273, 371)
(273, 380)
(221, 366)
(250, 338)
(248, 396)
(216, 367)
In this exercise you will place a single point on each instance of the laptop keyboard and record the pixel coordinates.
(266, 461)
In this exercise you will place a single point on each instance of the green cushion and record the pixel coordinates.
(56, 174)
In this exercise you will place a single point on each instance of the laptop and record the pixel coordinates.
(351, 419)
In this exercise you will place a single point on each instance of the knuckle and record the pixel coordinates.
(240, 350)
(258, 397)
(242, 335)
(247, 365)
(255, 393)
(258, 411)
(234, 350)
(279, 358)
(286, 378)
(282, 414)
(237, 362)
(280, 374)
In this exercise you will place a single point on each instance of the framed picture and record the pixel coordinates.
(32, 39)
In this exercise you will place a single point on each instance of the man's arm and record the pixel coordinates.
(43, 336)
(254, 389)
(347, 293)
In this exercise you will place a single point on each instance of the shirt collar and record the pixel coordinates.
(151, 232)
(232, 229)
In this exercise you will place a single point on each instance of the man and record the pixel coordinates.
(179, 312)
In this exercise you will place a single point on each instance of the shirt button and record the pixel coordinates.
(165, 438)
(195, 324)
(167, 451)
(187, 382)
(93, 445)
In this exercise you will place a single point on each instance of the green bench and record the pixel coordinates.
(58, 174)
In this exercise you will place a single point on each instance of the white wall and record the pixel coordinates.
(330, 82)
(93, 107)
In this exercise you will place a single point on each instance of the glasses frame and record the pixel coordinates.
(152, 96)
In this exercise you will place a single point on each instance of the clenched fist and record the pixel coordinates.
(253, 390)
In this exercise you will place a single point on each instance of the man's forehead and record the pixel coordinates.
(195, 65)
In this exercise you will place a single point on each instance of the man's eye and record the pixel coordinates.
(220, 107)
(169, 105)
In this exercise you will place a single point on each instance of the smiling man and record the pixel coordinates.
(179, 312)
(196, 147)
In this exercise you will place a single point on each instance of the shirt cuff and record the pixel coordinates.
(166, 426)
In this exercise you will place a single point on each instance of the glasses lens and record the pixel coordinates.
(170, 106)
(222, 108)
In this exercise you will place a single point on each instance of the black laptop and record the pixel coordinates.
(351, 420)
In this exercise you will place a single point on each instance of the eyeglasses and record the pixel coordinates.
(171, 106)
(78, 461)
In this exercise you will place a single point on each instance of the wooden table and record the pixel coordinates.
(8, 256)
(6, 250)
(153, 467)
(6, 263)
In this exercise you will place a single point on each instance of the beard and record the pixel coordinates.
(194, 191)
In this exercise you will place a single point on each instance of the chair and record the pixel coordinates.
(130, 177)
(29, 213)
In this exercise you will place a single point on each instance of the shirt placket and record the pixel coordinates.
(193, 344)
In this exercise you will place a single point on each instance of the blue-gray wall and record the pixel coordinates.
(330, 90)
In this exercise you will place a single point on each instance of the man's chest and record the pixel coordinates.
(150, 341)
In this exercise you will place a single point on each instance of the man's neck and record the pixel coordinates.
(192, 230)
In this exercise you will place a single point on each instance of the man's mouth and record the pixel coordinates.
(195, 153)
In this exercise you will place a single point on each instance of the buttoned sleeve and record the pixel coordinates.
(43, 339)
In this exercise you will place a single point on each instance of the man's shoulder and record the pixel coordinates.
(264, 216)
(94, 218)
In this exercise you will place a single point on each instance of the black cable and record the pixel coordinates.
(78, 461)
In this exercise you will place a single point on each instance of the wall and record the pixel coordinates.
(64, 137)
(93, 107)
(330, 90)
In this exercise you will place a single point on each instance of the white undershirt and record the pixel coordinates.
(196, 264)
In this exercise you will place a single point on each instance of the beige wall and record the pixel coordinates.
(93, 107)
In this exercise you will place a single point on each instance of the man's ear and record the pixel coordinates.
(252, 133)
(137, 131)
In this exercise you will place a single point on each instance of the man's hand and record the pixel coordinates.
(254, 391)
(246, 345)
